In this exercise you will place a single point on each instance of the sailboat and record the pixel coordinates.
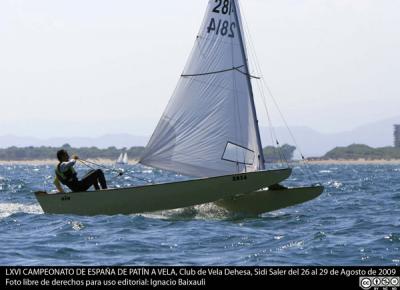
(122, 159)
(119, 160)
(125, 158)
(209, 131)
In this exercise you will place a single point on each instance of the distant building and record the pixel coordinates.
(397, 136)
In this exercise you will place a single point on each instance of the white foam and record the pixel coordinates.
(203, 211)
(76, 225)
(7, 209)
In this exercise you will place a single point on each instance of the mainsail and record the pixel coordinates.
(125, 158)
(209, 127)
(119, 160)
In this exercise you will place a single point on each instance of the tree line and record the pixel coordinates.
(44, 152)
(271, 154)
(360, 151)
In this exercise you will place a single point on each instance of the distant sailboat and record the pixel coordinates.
(119, 160)
(122, 159)
(209, 131)
(125, 158)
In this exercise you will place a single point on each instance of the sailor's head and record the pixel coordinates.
(62, 155)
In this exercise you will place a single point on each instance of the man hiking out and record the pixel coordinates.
(66, 174)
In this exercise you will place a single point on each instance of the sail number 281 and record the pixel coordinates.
(223, 6)
(219, 26)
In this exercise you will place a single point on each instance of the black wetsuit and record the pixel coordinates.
(92, 178)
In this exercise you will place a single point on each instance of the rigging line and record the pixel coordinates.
(273, 135)
(236, 96)
(247, 74)
(203, 159)
(281, 152)
(271, 132)
(258, 68)
(84, 163)
(99, 165)
(120, 172)
(303, 159)
(212, 73)
(87, 165)
(259, 86)
(262, 93)
(310, 172)
(240, 33)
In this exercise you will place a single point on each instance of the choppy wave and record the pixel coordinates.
(355, 222)
(7, 209)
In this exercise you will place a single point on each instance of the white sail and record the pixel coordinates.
(209, 126)
(120, 157)
(125, 158)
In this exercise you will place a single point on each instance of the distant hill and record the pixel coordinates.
(105, 141)
(311, 142)
(360, 151)
(314, 143)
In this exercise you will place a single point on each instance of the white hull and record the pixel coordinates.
(270, 200)
(159, 196)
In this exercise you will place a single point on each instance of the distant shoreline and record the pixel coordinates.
(109, 162)
(354, 161)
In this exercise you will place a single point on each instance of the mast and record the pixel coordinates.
(199, 123)
(253, 107)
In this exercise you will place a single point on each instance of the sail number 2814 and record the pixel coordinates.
(219, 26)
(222, 27)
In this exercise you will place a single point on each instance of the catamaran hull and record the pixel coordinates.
(159, 196)
(262, 201)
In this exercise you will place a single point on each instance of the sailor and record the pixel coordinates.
(66, 174)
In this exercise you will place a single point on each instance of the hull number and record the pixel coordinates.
(239, 177)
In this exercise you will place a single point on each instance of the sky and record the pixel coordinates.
(93, 67)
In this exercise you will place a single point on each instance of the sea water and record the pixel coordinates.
(356, 221)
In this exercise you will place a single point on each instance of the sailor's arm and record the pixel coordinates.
(58, 185)
(64, 166)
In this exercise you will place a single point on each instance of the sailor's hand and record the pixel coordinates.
(75, 157)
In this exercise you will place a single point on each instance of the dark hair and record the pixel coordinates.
(60, 154)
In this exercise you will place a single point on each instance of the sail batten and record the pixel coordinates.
(211, 73)
(211, 106)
